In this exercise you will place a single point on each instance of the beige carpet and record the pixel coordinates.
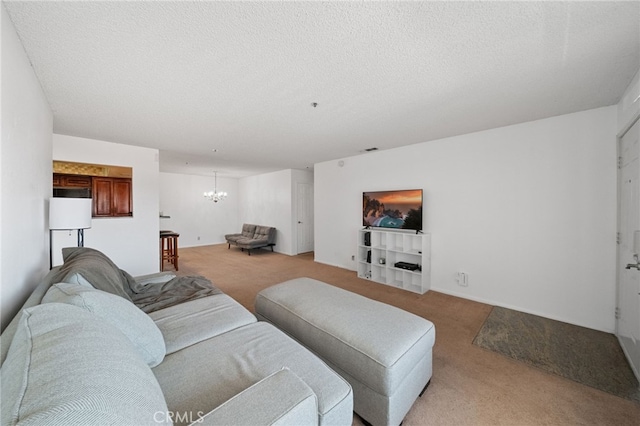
(470, 385)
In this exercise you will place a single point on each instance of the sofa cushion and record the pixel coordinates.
(277, 400)
(224, 366)
(67, 366)
(263, 233)
(77, 278)
(247, 232)
(251, 242)
(124, 315)
(196, 320)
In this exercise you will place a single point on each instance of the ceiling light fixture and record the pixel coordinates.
(214, 195)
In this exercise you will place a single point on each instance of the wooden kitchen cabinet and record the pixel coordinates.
(71, 181)
(112, 197)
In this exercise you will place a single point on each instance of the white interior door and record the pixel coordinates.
(628, 285)
(304, 209)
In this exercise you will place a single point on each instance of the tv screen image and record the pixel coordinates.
(393, 209)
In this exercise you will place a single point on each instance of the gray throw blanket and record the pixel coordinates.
(153, 297)
(96, 268)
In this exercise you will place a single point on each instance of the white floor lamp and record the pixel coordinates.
(68, 214)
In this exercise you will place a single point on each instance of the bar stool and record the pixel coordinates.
(168, 248)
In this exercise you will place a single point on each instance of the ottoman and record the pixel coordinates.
(383, 352)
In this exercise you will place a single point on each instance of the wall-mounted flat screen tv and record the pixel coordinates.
(393, 209)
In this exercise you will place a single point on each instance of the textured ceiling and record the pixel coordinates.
(240, 77)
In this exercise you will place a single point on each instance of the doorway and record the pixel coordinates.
(304, 219)
(628, 278)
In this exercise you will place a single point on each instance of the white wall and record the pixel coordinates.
(269, 200)
(266, 200)
(131, 242)
(527, 211)
(629, 105)
(25, 176)
(198, 220)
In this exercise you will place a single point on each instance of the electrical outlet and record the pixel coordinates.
(463, 279)
(353, 257)
(198, 238)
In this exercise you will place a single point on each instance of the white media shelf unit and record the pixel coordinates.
(386, 247)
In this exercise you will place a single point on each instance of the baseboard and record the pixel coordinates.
(334, 265)
(516, 308)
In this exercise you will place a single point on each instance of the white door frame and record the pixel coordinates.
(307, 223)
(634, 363)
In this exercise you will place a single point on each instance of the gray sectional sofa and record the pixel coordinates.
(253, 237)
(93, 345)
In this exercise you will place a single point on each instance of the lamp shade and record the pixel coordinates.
(69, 213)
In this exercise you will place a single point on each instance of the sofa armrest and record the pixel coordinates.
(34, 299)
(271, 239)
(279, 399)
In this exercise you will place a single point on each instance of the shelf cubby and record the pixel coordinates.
(387, 247)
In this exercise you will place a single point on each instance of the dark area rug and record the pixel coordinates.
(587, 356)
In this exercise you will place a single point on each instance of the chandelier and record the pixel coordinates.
(214, 195)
